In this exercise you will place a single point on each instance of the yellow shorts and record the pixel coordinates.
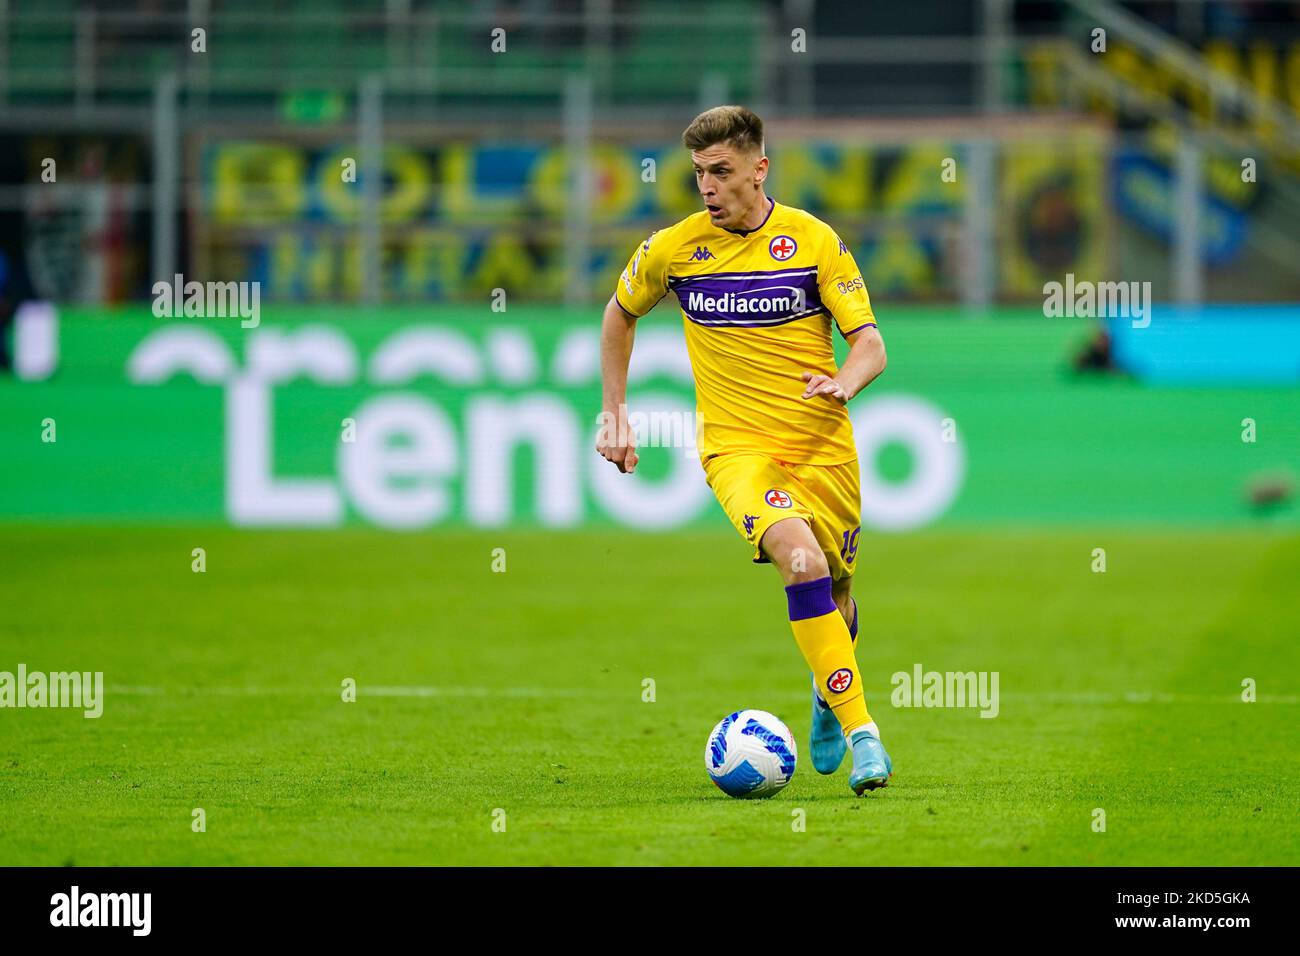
(757, 491)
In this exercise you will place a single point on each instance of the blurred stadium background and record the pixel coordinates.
(212, 140)
(426, 360)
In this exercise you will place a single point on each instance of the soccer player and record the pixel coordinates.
(760, 286)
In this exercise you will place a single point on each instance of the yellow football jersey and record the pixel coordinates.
(757, 307)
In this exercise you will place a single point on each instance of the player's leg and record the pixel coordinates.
(831, 492)
(827, 739)
(868, 751)
(818, 624)
(791, 546)
(840, 593)
(773, 511)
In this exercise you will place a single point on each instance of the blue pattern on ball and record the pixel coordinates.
(773, 742)
(741, 780)
(718, 745)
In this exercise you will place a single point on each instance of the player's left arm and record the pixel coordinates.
(865, 362)
(844, 295)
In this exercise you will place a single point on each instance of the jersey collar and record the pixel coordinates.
(771, 208)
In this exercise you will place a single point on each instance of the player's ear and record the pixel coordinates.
(760, 171)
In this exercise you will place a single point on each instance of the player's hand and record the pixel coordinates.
(819, 384)
(620, 449)
(624, 456)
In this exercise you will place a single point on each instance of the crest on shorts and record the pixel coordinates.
(778, 498)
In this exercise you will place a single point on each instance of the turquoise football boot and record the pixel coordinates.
(872, 767)
(828, 744)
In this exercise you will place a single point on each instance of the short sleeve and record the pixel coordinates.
(645, 280)
(840, 284)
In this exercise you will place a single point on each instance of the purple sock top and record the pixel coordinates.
(810, 599)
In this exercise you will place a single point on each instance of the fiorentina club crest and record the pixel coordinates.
(782, 248)
(777, 498)
(840, 681)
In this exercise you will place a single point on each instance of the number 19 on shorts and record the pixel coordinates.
(849, 550)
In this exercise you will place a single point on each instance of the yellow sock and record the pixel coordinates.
(824, 640)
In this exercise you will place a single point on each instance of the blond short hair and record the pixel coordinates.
(734, 125)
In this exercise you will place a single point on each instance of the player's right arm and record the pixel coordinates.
(614, 439)
(643, 283)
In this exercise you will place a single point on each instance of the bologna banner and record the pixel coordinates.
(417, 418)
(461, 218)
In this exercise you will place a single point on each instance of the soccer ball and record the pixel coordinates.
(750, 753)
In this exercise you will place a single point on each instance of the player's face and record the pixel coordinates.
(729, 181)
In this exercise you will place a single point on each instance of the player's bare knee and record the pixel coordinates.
(777, 540)
(792, 547)
(809, 568)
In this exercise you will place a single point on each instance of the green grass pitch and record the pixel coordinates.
(523, 691)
